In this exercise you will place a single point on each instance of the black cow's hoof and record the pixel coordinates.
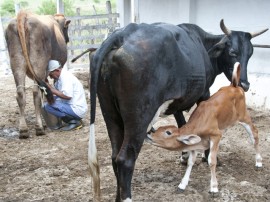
(214, 194)
(258, 168)
(204, 159)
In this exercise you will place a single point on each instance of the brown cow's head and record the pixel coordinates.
(63, 22)
(234, 47)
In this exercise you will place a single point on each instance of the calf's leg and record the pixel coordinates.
(254, 137)
(185, 179)
(212, 160)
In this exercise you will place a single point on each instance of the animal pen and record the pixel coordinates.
(85, 31)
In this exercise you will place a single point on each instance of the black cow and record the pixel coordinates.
(144, 70)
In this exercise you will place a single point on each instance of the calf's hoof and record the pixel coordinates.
(184, 158)
(179, 191)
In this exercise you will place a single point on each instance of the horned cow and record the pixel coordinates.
(32, 41)
(204, 128)
(145, 70)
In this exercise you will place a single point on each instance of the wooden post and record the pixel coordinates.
(60, 6)
(97, 22)
(4, 59)
(17, 8)
(109, 11)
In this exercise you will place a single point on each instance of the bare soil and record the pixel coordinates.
(53, 167)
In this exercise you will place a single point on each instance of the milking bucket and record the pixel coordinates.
(51, 121)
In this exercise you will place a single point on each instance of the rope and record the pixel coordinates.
(42, 88)
(26, 88)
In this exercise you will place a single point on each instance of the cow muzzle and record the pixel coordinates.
(245, 85)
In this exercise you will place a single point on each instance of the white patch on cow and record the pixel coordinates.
(249, 131)
(127, 200)
(160, 112)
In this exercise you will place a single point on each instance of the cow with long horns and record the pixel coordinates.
(143, 71)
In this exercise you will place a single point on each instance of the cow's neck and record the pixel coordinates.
(209, 40)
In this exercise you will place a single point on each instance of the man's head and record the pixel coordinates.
(54, 69)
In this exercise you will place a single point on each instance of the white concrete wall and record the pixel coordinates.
(244, 15)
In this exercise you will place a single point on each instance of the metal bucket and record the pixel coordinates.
(51, 121)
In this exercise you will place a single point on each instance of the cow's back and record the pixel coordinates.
(158, 62)
(212, 112)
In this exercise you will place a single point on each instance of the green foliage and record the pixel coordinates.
(24, 4)
(48, 7)
(8, 8)
(69, 5)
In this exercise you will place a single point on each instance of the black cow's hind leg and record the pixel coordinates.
(126, 160)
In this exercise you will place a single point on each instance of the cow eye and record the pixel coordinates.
(168, 132)
(232, 53)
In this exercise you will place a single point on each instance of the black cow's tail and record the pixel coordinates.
(236, 74)
(114, 41)
(21, 20)
(95, 66)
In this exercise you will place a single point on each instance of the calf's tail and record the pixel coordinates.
(114, 41)
(236, 74)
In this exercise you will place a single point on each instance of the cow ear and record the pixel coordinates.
(67, 23)
(216, 50)
(189, 139)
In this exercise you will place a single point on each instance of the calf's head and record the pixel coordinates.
(168, 137)
(234, 47)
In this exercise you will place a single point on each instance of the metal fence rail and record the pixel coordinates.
(84, 32)
(88, 32)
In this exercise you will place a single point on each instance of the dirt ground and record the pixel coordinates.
(53, 167)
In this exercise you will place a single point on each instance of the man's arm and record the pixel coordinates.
(58, 93)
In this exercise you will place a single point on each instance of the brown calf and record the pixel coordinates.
(203, 130)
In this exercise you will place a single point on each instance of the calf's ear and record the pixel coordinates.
(189, 139)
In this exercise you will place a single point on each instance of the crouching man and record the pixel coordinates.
(70, 103)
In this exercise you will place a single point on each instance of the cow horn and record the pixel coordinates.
(258, 33)
(260, 46)
(224, 28)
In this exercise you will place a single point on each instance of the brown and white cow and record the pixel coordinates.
(32, 41)
(204, 128)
